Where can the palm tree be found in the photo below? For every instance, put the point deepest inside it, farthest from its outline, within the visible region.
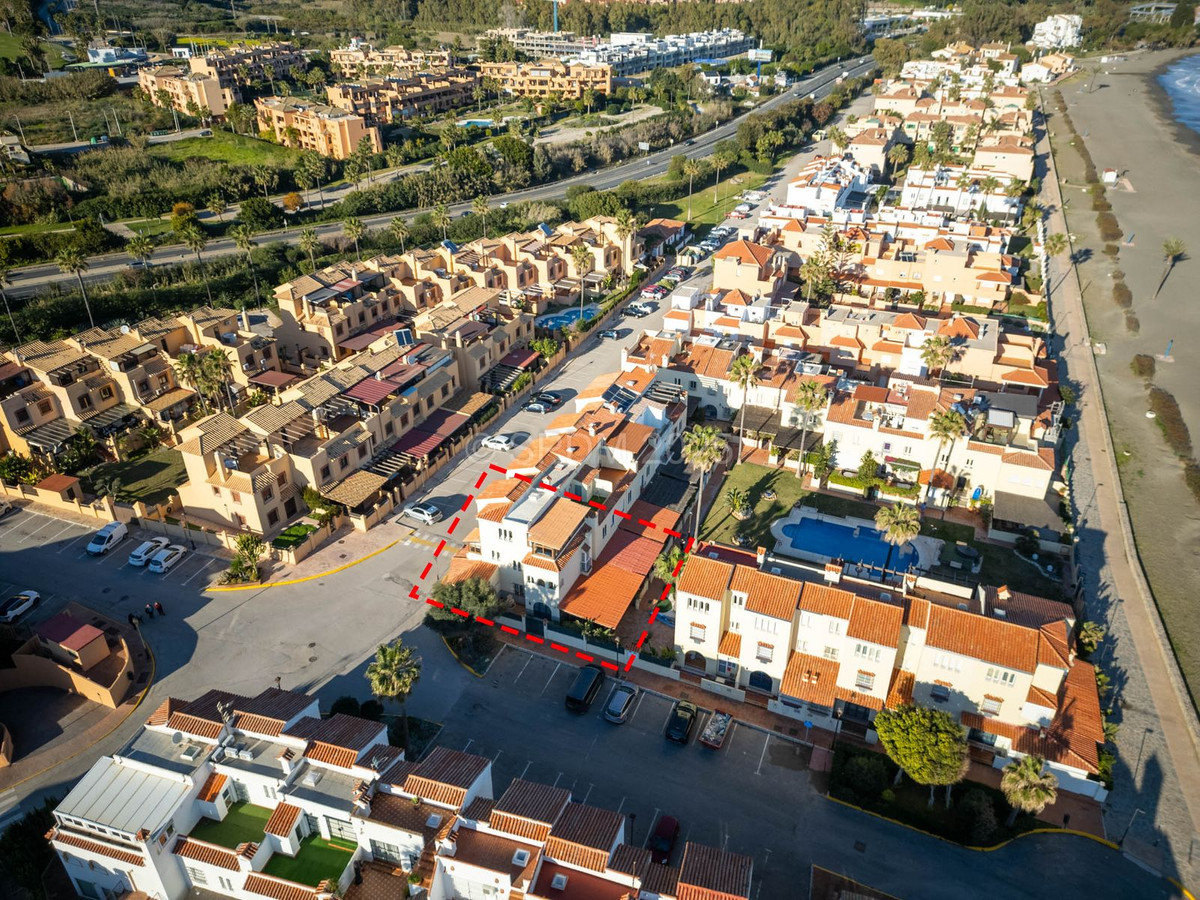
(1173, 251)
(71, 261)
(191, 372)
(743, 373)
(140, 248)
(936, 352)
(666, 563)
(309, 242)
(354, 229)
(243, 239)
(692, 168)
(400, 231)
(393, 674)
(441, 219)
(626, 228)
(1027, 788)
(897, 155)
(218, 371)
(1090, 636)
(5, 271)
(837, 137)
(195, 239)
(899, 525)
(721, 159)
(1055, 244)
(810, 398)
(739, 502)
(947, 427)
(480, 207)
(703, 448)
(581, 255)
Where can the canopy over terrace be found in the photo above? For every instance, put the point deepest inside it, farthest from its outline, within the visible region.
(277, 381)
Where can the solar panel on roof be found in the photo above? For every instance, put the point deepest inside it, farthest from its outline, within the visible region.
(619, 398)
(404, 337)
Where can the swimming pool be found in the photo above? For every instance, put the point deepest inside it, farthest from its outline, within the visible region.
(567, 317)
(477, 123)
(853, 543)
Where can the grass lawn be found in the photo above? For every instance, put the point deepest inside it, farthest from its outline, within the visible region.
(317, 860)
(37, 228)
(244, 822)
(704, 210)
(293, 536)
(150, 227)
(224, 146)
(720, 525)
(151, 478)
(10, 47)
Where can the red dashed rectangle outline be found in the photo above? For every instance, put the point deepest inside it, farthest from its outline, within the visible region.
(533, 638)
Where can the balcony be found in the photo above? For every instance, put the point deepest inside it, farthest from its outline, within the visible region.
(317, 860)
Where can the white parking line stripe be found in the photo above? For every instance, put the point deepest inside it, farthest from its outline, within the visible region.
(200, 571)
(470, 741)
(589, 793)
(526, 769)
(528, 660)
(667, 719)
(729, 736)
(68, 544)
(556, 778)
(550, 679)
(67, 527)
(763, 756)
(622, 805)
(49, 522)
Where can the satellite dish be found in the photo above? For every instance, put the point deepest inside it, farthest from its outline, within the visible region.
(124, 329)
(176, 737)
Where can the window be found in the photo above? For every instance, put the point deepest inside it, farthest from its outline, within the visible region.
(235, 496)
(273, 517)
(766, 652)
(862, 651)
(700, 605)
(22, 415)
(940, 693)
(386, 852)
(282, 479)
(344, 463)
(270, 792)
(696, 632)
(1000, 676)
(947, 662)
(324, 473)
(991, 706)
(865, 681)
(341, 828)
(831, 653)
(226, 883)
(106, 392)
(835, 626)
(806, 620)
(388, 428)
(196, 875)
(267, 493)
(216, 491)
(726, 668)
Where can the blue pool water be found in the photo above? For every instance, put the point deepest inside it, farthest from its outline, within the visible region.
(854, 544)
(567, 318)
(478, 123)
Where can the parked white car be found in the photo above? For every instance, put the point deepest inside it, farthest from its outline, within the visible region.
(17, 605)
(107, 538)
(5, 508)
(499, 442)
(166, 559)
(426, 513)
(146, 550)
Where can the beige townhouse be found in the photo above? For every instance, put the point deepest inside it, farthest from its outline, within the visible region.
(392, 100)
(549, 78)
(170, 86)
(363, 60)
(323, 129)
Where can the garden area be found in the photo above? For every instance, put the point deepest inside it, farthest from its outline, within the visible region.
(226, 147)
(151, 478)
(706, 210)
(317, 860)
(293, 536)
(243, 823)
(770, 493)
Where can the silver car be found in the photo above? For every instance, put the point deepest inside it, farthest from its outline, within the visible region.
(426, 513)
(620, 703)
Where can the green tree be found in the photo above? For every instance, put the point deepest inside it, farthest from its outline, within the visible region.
(900, 524)
(927, 745)
(1055, 244)
(309, 242)
(472, 595)
(25, 850)
(666, 563)
(140, 248)
(393, 674)
(692, 168)
(936, 352)
(196, 240)
(626, 228)
(744, 373)
(739, 502)
(581, 255)
(243, 239)
(1027, 787)
(191, 372)
(354, 229)
(897, 155)
(218, 373)
(721, 159)
(1172, 252)
(810, 399)
(946, 426)
(266, 178)
(703, 448)
(441, 219)
(400, 230)
(71, 261)
(1090, 636)
(544, 347)
(216, 204)
(480, 207)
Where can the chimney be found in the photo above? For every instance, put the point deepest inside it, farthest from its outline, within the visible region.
(285, 760)
(591, 429)
(1002, 592)
(761, 554)
(833, 571)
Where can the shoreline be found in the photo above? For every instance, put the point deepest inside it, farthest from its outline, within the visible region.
(1163, 108)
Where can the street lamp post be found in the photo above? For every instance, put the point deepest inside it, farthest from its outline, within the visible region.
(1137, 812)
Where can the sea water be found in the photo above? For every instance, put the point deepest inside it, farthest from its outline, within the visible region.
(1181, 81)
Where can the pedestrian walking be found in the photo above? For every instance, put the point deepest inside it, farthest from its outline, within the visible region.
(149, 611)
(158, 608)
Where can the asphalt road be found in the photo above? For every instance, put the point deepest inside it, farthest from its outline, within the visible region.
(30, 280)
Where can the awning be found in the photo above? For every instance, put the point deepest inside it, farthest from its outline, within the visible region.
(372, 390)
(418, 444)
(113, 418)
(898, 463)
(51, 436)
(519, 359)
(355, 488)
(271, 378)
(442, 422)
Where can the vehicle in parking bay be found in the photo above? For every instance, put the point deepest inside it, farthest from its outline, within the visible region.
(5, 508)
(107, 538)
(499, 442)
(610, 334)
(585, 688)
(679, 725)
(620, 703)
(662, 839)
(17, 605)
(426, 513)
(146, 550)
(549, 397)
(166, 559)
(537, 406)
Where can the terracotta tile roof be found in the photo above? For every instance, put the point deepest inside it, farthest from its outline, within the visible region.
(201, 716)
(989, 640)
(875, 622)
(940, 478)
(575, 446)
(887, 347)
(631, 437)
(731, 644)
(337, 740)
(495, 853)
(1054, 645)
(503, 489)
(557, 525)
(707, 873)
(61, 837)
(401, 813)
(1039, 697)
(461, 568)
(479, 809)
(661, 516)
(1025, 609)
(211, 854)
(852, 343)
(528, 809)
(826, 600)
(165, 710)
(493, 512)
(276, 888)
(916, 612)
(271, 710)
(766, 594)
(584, 836)
(1028, 460)
(445, 776)
(603, 596)
(661, 880)
(212, 787)
(630, 860)
(704, 577)
(959, 327)
(900, 691)
(812, 679)
(282, 820)
(745, 251)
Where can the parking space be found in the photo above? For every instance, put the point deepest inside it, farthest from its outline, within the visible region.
(727, 798)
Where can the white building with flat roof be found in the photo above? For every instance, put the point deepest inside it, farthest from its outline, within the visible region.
(1058, 32)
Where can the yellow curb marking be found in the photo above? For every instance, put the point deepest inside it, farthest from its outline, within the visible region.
(273, 584)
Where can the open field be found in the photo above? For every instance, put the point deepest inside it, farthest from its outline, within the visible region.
(704, 210)
(10, 48)
(225, 147)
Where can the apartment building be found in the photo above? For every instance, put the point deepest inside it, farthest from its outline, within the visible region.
(347, 431)
(959, 191)
(185, 91)
(326, 130)
(240, 65)
(394, 99)
(553, 549)
(360, 59)
(751, 270)
(834, 650)
(549, 78)
(628, 53)
(1006, 154)
(1058, 32)
(830, 183)
(1047, 68)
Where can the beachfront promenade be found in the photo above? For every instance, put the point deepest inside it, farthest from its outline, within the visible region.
(1155, 806)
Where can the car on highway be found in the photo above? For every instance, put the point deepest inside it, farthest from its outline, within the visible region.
(17, 605)
(662, 839)
(620, 703)
(107, 538)
(584, 689)
(166, 559)
(681, 721)
(146, 550)
(499, 442)
(426, 513)
(610, 334)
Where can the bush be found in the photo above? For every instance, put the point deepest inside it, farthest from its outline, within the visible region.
(865, 776)
(1142, 366)
(1191, 476)
(1132, 323)
(1170, 422)
(977, 813)
(371, 709)
(1112, 250)
(1122, 296)
(1109, 229)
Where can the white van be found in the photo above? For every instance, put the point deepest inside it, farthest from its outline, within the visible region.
(107, 538)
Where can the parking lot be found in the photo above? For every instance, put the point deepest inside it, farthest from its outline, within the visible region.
(745, 797)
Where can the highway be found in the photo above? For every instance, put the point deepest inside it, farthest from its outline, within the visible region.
(30, 280)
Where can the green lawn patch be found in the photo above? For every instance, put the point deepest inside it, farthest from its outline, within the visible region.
(150, 227)
(704, 210)
(10, 48)
(293, 536)
(720, 525)
(833, 505)
(317, 860)
(243, 823)
(37, 228)
(224, 146)
(152, 478)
